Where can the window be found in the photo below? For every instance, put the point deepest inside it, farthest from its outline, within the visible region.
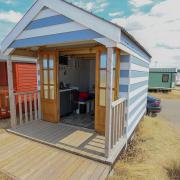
(165, 78)
(48, 77)
(103, 78)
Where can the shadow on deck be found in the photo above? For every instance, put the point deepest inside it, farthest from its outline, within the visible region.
(73, 139)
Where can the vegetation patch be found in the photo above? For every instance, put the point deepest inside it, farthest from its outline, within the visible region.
(154, 153)
(174, 94)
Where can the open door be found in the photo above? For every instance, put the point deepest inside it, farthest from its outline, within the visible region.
(101, 73)
(49, 85)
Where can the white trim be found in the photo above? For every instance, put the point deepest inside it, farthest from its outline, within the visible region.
(132, 129)
(135, 92)
(56, 29)
(4, 58)
(136, 67)
(8, 51)
(21, 25)
(106, 42)
(136, 113)
(132, 106)
(138, 80)
(46, 13)
(129, 51)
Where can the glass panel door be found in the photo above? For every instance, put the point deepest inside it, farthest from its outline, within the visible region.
(49, 86)
(48, 76)
(103, 78)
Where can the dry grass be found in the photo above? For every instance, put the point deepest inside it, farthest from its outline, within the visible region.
(4, 177)
(153, 154)
(174, 94)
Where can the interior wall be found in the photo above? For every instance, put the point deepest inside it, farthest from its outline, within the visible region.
(78, 73)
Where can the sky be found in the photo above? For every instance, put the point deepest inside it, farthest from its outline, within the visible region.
(154, 23)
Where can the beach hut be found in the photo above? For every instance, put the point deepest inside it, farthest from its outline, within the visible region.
(24, 80)
(162, 78)
(93, 77)
(178, 78)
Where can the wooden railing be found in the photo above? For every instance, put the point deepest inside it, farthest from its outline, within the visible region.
(27, 107)
(118, 126)
(4, 104)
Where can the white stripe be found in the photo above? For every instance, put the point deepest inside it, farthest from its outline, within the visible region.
(135, 92)
(137, 121)
(124, 95)
(124, 66)
(138, 80)
(124, 81)
(56, 29)
(136, 113)
(46, 13)
(136, 67)
(134, 105)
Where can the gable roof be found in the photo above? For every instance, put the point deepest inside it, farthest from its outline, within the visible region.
(106, 28)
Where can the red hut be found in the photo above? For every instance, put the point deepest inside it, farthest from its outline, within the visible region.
(24, 79)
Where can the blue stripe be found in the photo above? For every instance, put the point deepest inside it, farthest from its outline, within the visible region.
(123, 88)
(139, 62)
(135, 109)
(136, 118)
(49, 21)
(137, 96)
(139, 74)
(124, 73)
(56, 38)
(138, 85)
(125, 58)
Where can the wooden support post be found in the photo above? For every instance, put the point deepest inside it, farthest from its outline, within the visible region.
(38, 88)
(11, 93)
(108, 122)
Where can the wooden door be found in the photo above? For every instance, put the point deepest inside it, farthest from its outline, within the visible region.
(49, 85)
(101, 73)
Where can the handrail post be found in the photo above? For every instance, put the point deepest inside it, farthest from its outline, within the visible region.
(108, 121)
(11, 93)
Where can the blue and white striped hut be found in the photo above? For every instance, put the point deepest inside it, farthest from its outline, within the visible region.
(93, 77)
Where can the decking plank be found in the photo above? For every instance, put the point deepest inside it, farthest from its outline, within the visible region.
(66, 137)
(25, 159)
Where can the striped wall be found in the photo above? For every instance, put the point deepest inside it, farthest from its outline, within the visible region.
(133, 86)
(49, 27)
(138, 88)
(124, 76)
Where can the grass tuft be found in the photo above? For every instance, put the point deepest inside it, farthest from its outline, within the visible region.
(151, 153)
(174, 171)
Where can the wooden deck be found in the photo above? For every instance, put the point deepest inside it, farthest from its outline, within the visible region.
(22, 158)
(73, 139)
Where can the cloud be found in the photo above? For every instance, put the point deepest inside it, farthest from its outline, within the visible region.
(140, 3)
(158, 30)
(114, 14)
(95, 6)
(10, 16)
(5, 28)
